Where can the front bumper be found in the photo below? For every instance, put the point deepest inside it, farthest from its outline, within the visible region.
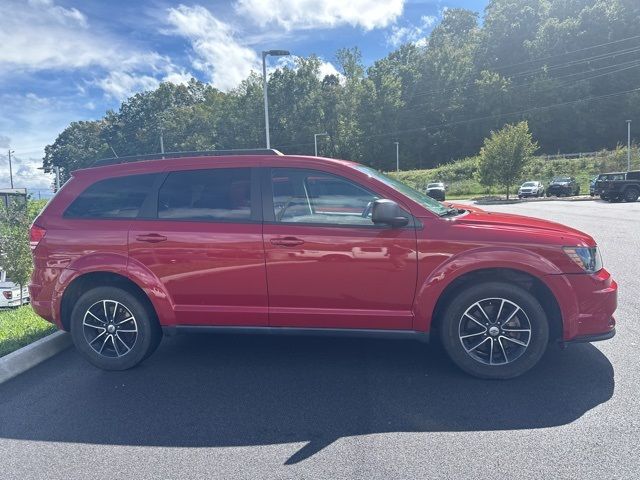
(594, 338)
(587, 303)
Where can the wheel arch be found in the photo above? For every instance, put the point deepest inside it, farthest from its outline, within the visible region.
(531, 283)
(86, 281)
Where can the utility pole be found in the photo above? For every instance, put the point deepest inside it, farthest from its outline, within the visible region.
(161, 142)
(628, 145)
(315, 140)
(57, 170)
(10, 167)
(397, 156)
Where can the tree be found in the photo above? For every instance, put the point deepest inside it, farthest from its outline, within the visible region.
(505, 154)
(15, 252)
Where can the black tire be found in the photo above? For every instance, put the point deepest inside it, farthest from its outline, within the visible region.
(603, 197)
(631, 194)
(117, 352)
(490, 294)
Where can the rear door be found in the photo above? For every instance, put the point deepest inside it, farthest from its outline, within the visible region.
(204, 242)
(328, 265)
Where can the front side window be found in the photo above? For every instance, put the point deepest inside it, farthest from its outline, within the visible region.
(426, 201)
(119, 197)
(307, 196)
(220, 194)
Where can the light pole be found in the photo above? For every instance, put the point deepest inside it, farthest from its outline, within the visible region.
(273, 53)
(10, 167)
(315, 140)
(397, 156)
(628, 145)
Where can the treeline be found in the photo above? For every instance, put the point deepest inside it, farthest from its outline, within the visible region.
(571, 68)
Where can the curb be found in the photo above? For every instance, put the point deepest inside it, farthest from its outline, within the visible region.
(31, 355)
(537, 200)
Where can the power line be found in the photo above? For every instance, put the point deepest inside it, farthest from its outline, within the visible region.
(625, 66)
(568, 53)
(543, 69)
(486, 117)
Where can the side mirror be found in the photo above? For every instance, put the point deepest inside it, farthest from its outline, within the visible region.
(388, 212)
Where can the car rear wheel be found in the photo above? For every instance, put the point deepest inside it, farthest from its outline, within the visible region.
(495, 330)
(631, 194)
(113, 329)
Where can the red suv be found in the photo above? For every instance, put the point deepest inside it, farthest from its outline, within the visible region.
(264, 242)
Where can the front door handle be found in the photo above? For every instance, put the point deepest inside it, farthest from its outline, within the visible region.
(151, 238)
(287, 241)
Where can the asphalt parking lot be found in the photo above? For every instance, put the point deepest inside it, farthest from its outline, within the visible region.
(263, 407)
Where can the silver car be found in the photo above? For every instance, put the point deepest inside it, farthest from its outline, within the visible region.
(531, 189)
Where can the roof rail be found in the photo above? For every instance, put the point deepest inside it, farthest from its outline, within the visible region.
(170, 155)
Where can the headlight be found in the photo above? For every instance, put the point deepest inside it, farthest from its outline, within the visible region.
(587, 258)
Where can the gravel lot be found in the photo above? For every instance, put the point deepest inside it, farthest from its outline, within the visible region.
(258, 407)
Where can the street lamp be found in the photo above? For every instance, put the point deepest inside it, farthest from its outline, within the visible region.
(11, 152)
(315, 140)
(628, 145)
(273, 53)
(397, 156)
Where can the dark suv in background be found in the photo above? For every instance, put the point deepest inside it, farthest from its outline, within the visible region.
(618, 186)
(563, 187)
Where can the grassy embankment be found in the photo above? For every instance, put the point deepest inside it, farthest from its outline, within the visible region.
(461, 176)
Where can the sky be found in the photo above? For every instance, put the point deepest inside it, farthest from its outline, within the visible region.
(62, 61)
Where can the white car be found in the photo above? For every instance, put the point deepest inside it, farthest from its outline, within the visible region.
(10, 292)
(531, 189)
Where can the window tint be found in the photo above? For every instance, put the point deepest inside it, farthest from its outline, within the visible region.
(222, 194)
(306, 196)
(119, 197)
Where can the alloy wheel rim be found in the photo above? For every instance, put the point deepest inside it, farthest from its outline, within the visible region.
(494, 331)
(110, 329)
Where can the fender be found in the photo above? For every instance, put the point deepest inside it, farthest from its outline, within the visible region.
(513, 258)
(119, 264)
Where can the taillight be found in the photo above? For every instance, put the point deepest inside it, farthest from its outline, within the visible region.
(36, 234)
(8, 294)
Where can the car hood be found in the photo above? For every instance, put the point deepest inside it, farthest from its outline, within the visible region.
(528, 225)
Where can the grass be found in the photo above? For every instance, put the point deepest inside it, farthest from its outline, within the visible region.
(461, 176)
(20, 327)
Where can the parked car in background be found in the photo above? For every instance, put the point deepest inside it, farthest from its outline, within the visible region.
(10, 292)
(616, 187)
(436, 190)
(600, 185)
(563, 187)
(531, 189)
(286, 244)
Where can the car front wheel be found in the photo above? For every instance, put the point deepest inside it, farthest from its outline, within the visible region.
(495, 330)
(113, 329)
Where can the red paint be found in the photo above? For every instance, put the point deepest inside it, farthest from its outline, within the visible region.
(285, 274)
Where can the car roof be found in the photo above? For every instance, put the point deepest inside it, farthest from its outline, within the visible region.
(161, 164)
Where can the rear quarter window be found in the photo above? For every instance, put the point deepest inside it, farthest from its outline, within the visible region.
(120, 197)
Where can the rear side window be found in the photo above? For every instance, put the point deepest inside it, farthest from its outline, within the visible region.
(220, 194)
(119, 197)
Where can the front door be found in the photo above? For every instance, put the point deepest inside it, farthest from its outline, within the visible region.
(205, 246)
(328, 265)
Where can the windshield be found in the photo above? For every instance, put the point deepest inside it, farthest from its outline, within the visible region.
(424, 200)
(561, 179)
(529, 184)
(434, 185)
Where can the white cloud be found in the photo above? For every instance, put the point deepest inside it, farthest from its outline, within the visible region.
(327, 68)
(313, 14)
(411, 33)
(52, 37)
(217, 51)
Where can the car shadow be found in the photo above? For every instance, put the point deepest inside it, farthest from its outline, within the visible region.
(207, 390)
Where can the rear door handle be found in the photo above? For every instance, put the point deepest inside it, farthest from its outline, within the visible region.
(151, 238)
(287, 241)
